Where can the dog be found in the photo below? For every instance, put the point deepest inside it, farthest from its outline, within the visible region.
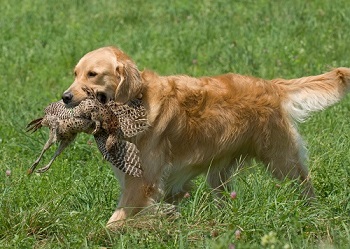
(205, 125)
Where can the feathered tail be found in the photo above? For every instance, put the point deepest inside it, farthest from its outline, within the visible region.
(314, 93)
(34, 125)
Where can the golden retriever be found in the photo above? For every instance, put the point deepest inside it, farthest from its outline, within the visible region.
(205, 125)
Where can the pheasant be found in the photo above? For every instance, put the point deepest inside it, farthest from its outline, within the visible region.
(110, 124)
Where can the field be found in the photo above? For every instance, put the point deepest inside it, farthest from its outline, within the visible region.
(68, 206)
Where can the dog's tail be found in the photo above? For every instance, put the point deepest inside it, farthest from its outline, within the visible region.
(314, 93)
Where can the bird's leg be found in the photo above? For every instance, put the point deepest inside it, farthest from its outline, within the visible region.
(94, 117)
(64, 143)
(52, 139)
(111, 141)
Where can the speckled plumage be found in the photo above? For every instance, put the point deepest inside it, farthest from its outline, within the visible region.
(109, 123)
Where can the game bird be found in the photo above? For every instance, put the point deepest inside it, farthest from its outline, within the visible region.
(110, 124)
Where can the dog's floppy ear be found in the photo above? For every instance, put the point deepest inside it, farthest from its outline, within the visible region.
(130, 83)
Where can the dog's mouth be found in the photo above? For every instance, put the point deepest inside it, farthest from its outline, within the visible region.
(73, 98)
(72, 104)
(102, 97)
(73, 101)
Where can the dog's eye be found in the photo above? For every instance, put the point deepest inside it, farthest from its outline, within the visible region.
(91, 74)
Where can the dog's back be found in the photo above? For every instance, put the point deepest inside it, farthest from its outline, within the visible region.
(212, 122)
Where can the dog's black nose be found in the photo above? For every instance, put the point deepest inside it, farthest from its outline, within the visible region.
(67, 97)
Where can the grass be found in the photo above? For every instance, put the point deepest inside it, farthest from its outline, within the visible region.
(68, 206)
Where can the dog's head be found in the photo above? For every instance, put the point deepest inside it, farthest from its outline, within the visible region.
(109, 72)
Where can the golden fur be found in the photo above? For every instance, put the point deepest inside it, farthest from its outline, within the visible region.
(207, 124)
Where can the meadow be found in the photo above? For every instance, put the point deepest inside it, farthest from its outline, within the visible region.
(68, 206)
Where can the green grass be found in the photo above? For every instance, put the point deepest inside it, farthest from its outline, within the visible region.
(68, 206)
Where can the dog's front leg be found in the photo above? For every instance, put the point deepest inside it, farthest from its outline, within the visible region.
(136, 195)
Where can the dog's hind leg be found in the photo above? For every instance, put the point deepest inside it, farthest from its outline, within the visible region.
(219, 174)
(284, 155)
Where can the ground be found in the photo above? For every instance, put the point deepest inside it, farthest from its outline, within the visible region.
(69, 205)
